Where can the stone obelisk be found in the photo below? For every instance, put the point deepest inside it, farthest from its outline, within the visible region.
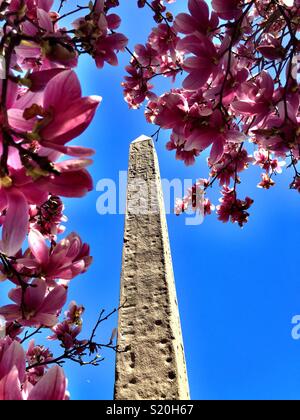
(151, 364)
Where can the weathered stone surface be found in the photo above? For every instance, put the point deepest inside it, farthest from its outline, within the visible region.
(153, 365)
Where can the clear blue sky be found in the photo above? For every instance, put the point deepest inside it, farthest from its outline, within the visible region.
(238, 289)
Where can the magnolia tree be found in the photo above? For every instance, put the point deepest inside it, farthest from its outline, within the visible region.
(235, 63)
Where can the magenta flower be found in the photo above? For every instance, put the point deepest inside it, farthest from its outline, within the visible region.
(217, 133)
(67, 334)
(19, 191)
(136, 86)
(177, 142)
(271, 48)
(280, 133)
(168, 111)
(64, 261)
(61, 114)
(37, 306)
(198, 20)
(202, 65)
(36, 355)
(14, 381)
(54, 118)
(232, 208)
(106, 48)
(256, 98)
(234, 161)
(11, 355)
(99, 28)
(51, 387)
(264, 159)
(12, 369)
(16, 221)
(227, 9)
(72, 180)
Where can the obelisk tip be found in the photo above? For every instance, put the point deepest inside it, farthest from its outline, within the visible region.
(141, 139)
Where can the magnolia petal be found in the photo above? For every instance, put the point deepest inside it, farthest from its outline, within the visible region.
(10, 312)
(62, 90)
(196, 79)
(18, 122)
(234, 136)
(76, 151)
(199, 10)
(44, 20)
(70, 184)
(10, 387)
(55, 300)
(185, 23)
(71, 122)
(217, 151)
(38, 246)
(51, 387)
(34, 295)
(13, 357)
(15, 226)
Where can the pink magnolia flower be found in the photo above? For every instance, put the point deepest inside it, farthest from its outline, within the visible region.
(256, 98)
(202, 65)
(177, 142)
(271, 47)
(64, 261)
(164, 41)
(280, 133)
(37, 22)
(60, 114)
(147, 55)
(102, 44)
(15, 225)
(54, 118)
(266, 182)
(71, 180)
(198, 20)
(227, 9)
(168, 111)
(68, 330)
(216, 133)
(136, 85)
(47, 218)
(67, 334)
(11, 354)
(37, 306)
(20, 190)
(37, 355)
(232, 162)
(14, 383)
(106, 48)
(232, 208)
(229, 86)
(51, 387)
(264, 159)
